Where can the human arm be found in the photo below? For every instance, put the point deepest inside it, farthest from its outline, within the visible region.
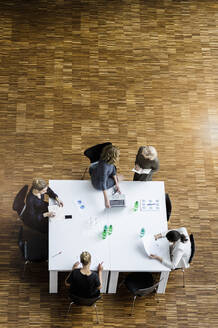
(69, 276)
(35, 208)
(153, 256)
(173, 263)
(106, 200)
(116, 183)
(59, 202)
(159, 235)
(100, 269)
(52, 194)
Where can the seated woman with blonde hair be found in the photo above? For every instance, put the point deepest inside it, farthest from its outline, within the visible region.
(84, 282)
(103, 173)
(146, 158)
(36, 213)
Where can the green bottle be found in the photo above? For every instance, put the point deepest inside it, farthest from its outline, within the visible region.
(136, 206)
(110, 229)
(104, 233)
(142, 232)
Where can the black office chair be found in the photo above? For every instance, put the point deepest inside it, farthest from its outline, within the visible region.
(168, 206)
(33, 246)
(84, 302)
(93, 153)
(191, 237)
(140, 284)
(19, 201)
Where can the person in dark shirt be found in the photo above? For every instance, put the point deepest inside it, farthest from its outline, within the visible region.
(103, 173)
(84, 282)
(146, 158)
(36, 213)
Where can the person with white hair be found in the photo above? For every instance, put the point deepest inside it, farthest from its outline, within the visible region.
(146, 158)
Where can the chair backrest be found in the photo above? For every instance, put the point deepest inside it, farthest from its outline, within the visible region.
(192, 247)
(146, 291)
(94, 152)
(21, 241)
(33, 245)
(83, 300)
(168, 206)
(19, 204)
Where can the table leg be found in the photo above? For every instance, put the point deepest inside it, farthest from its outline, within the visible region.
(163, 282)
(104, 281)
(53, 281)
(114, 275)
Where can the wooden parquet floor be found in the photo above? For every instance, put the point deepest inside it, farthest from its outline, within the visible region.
(74, 73)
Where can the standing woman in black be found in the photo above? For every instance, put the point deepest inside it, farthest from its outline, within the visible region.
(146, 158)
(36, 213)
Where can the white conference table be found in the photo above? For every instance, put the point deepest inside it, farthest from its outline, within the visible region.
(123, 250)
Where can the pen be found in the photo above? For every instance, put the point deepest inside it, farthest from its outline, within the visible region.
(57, 254)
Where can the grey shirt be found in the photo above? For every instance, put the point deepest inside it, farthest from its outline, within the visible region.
(102, 175)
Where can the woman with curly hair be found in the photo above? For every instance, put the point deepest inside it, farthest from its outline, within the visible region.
(103, 173)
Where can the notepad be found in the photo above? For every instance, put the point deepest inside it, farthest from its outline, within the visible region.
(141, 171)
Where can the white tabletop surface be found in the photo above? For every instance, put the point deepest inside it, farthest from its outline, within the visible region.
(123, 250)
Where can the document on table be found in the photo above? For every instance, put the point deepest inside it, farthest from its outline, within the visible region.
(151, 245)
(141, 171)
(59, 211)
(149, 205)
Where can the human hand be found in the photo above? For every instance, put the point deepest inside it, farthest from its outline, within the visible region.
(100, 267)
(107, 203)
(157, 236)
(137, 167)
(49, 214)
(59, 202)
(118, 189)
(152, 256)
(76, 264)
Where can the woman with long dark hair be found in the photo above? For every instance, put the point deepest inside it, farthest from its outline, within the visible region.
(180, 249)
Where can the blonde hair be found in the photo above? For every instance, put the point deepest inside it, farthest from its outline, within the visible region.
(110, 154)
(85, 258)
(39, 184)
(149, 152)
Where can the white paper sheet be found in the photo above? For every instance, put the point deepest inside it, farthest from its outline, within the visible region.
(151, 245)
(59, 211)
(141, 171)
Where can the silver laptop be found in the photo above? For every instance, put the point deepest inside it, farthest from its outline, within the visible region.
(117, 200)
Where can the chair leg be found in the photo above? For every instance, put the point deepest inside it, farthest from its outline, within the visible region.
(133, 304)
(96, 312)
(69, 307)
(84, 173)
(183, 277)
(121, 283)
(24, 268)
